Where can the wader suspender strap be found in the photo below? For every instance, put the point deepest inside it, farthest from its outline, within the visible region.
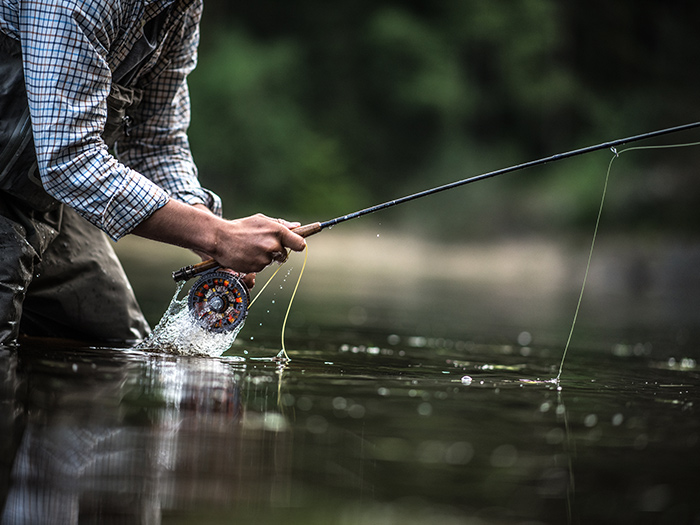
(17, 155)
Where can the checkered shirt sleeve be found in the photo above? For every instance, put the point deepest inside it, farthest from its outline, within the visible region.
(69, 49)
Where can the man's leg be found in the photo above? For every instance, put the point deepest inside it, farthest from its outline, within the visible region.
(81, 291)
(17, 258)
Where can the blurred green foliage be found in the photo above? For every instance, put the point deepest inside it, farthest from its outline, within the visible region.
(311, 110)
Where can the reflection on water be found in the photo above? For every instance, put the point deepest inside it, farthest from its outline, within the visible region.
(103, 435)
(406, 429)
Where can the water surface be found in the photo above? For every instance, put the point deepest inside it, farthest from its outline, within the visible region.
(411, 430)
(411, 397)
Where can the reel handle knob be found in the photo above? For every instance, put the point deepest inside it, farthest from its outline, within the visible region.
(187, 272)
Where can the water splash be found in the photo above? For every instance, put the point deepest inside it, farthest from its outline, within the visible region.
(178, 333)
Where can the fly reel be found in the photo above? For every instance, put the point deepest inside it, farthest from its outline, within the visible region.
(219, 301)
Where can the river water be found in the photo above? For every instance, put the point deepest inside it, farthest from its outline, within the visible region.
(409, 399)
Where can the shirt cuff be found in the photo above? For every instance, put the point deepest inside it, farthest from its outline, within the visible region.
(201, 196)
(133, 202)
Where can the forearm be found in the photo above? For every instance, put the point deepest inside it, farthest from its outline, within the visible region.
(245, 245)
(179, 224)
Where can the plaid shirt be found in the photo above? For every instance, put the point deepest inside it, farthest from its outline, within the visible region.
(70, 49)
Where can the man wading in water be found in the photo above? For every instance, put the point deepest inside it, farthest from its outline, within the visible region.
(94, 110)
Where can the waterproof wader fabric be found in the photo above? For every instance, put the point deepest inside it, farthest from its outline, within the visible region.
(59, 276)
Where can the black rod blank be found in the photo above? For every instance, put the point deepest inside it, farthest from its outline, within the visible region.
(539, 162)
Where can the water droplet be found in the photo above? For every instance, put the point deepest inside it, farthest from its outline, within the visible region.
(356, 411)
(590, 420)
(466, 380)
(524, 338)
(425, 409)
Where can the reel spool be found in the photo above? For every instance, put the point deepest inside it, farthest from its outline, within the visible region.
(219, 301)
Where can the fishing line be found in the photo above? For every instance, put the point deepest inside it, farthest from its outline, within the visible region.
(588, 263)
(283, 352)
(291, 300)
(264, 286)
(595, 234)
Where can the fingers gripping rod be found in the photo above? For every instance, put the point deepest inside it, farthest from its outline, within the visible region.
(193, 270)
(309, 229)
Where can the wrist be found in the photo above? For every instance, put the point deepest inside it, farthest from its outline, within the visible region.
(204, 233)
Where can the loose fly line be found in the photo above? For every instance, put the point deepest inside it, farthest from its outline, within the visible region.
(616, 154)
(264, 286)
(291, 299)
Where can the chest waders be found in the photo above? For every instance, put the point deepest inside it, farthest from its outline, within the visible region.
(59, 276)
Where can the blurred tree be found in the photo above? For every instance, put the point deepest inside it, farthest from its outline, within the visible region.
(311, 109)
(253, 141)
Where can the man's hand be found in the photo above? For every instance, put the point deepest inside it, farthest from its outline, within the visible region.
(245, 245)
(252, 243)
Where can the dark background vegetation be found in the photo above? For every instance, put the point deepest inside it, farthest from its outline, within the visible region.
(311, 110)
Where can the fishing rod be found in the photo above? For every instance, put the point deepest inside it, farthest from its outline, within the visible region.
(306, 230)
(219, 300)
